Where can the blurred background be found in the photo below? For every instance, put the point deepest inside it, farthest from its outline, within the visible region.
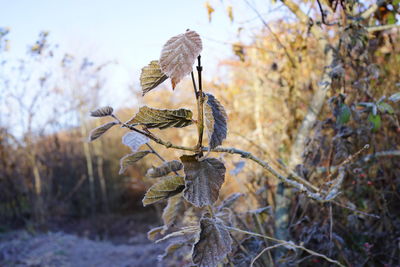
(61, 59)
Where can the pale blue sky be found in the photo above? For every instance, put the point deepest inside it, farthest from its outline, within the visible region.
(129, 31)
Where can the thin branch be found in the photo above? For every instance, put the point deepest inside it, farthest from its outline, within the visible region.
(286, 243)
(290, 57)
(263, 251)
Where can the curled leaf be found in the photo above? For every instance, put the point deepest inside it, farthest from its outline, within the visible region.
(162, 118)
(129, 159)
(155, 233)
(102, 112)
(216, 121)
(179, 54)
(163, 189)
(203, 180)
(151, 76)
(172, 211)
(99, 131)
(214, 244)
(134, 140)
(164, 169)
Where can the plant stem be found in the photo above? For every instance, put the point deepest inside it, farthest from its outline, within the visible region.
(200, 101)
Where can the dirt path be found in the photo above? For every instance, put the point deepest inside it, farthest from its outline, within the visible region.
(60, 249)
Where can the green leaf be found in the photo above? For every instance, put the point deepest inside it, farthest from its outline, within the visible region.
(162, 118)
(391, 18)
(214, 244)
(395, 97)
(163, 189)
(102, 112)
(375, 120)
(385, 108)
(174, 208)
(164, 169)
(215, 120)
(179, 54)
(130, 159)
(344, 114)
(151, 76)
(203, 180)
(99, 131)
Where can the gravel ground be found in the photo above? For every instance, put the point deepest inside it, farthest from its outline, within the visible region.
(60, 249)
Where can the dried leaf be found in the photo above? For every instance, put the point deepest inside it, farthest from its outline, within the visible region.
(155, 233)
(129, 159)
(163, 189)
(216, 121)
(229, 10)
(151, 76)
(102, 112)
(99, 131)
(172, 211)
(134, 140)
(164, 169)
(203, 180)
(210, 10)
(179, 54)
(162, 118)
(184, 234)
(214, 244)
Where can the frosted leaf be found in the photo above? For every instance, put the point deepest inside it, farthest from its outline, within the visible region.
(102, 112)
(99, 131)
(215, 120)
(134, 140)
(172, 211)
(164, 169)
(214, 244)
(151, 76)
(179, 54)
(163, 189)
(130, 159)
(203, 180)
(162, 118)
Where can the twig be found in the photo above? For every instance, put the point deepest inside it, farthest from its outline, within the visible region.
(290, 57)
(389, 153)
(263, 251)
(286, 243)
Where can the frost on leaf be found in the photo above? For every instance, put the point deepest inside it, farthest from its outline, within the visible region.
(214, 244)
(181, 240)
(164, 169)
(99, 131)
(163, 189)
(203, 180)
(151, 76)
(130, 159)
(134, 140)
(102, 112)
(179, 54)
(174, 208)
(229, 201)
(162, 118)
(216, 121)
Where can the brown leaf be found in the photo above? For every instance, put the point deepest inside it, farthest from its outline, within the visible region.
(216, 121)
(130, 159)
(203, 180)
(173, 209)
(151, 76)
(214, 244)
(102, 112)
(179, 54)
(99, 131)
(162, 118)
(155, 233)
(164, 169)
(163, 189)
